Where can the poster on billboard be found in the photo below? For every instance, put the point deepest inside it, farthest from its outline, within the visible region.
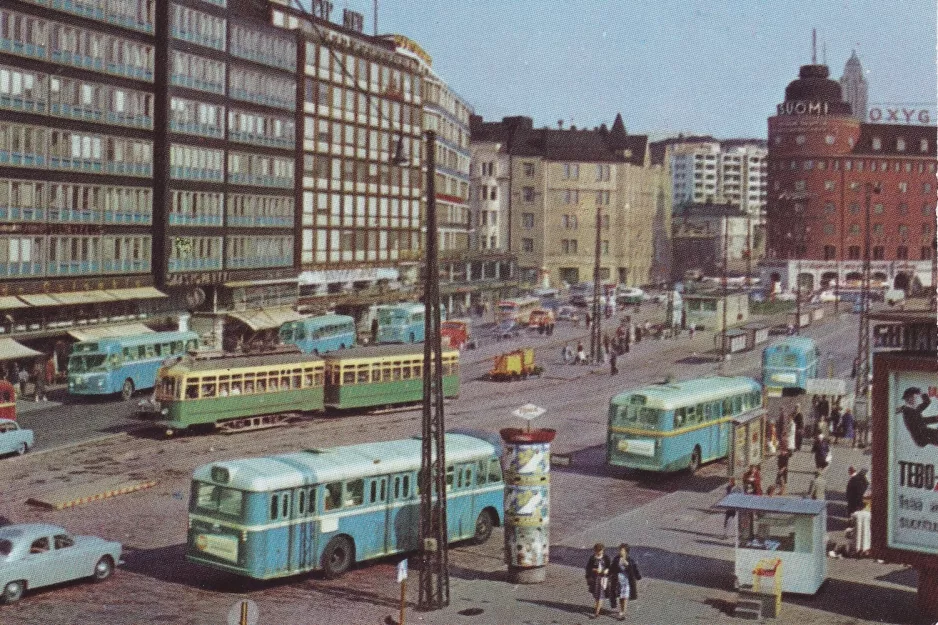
(912, 490)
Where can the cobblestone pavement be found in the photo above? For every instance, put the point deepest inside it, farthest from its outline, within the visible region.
(668, 519)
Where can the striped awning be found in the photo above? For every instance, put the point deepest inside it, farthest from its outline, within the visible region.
(8, 302)
(74, 298)
(91, 334)
(266, 318)
(11, 350)
(143, 292)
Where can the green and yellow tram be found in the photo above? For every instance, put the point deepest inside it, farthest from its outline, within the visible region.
(238, 392)
(383, 375)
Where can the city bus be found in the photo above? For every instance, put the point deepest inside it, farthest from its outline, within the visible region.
(789, 363)
(403, 323)
(680, 425)
(124, 364)
(517, 309)
(326, 509)
(319, 335)
(236, 392)
(383, 375)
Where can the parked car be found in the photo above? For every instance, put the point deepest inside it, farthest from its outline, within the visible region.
(13, 438)
(33, 555)
(507, 329)
(567, 313)
(456, 332)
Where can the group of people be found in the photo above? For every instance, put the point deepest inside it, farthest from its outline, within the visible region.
(39, 374)
(615, 579)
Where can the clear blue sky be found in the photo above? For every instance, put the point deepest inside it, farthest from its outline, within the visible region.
(709, 66)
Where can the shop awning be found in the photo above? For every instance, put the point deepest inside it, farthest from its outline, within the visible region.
(266, 318)
(40, 299)
(91, 334)
(73, 298)
(8, 302)
(143, 292)
(11, 350)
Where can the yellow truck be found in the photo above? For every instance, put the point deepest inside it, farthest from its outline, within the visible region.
(514, 365)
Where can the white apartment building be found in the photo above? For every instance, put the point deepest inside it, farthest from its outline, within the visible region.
(488, 200)
(732, 171)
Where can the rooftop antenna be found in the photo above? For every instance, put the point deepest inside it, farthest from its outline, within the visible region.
(824, 53)
(814, 46)
(376, 18)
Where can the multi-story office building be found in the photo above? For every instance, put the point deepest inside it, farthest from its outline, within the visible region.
(226, 159)
(825, 165)
(558, 182)
(77, 206)
(359, 217)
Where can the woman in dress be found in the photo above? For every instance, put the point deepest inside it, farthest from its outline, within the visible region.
(597, 572)
(624, 578)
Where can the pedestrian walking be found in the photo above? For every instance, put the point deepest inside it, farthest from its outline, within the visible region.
(822, 452)
(638, 334)
(623, 578)
(39, 383)
(856, 489)
(580, 354)
(836, 425)
(731, 487)
(798, 419)
(781, 476)
(824, 407)
(848, 427)
(597, 576)
(566, 354)
(818, 487)
(627, 341)
(23, 377)
(613, 369)
(791, 436)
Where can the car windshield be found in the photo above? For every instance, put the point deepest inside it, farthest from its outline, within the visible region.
(6, 547)
(212, 498)
(84, 364)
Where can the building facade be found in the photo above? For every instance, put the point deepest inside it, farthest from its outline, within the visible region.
(855, 87)
(825, 166)
(559, 182)
(706, 234)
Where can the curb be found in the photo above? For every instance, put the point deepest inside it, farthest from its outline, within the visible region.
(51, 502)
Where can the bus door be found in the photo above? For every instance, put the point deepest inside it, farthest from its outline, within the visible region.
(371, 540)
(304, 532)
(403, 517)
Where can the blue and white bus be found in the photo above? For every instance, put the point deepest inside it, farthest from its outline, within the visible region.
(680, 425)
(124, 364)
(403, 323)
(326, 509)
(319, 335)
(789, 363)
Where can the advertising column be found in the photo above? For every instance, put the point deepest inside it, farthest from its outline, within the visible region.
(527, 503)
(905, 455)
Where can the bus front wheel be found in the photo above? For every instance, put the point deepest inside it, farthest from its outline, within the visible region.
(338, 557)
(128, 389)
(483, 528)
(694, 460)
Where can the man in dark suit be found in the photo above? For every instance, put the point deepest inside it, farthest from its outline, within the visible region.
(915, 423)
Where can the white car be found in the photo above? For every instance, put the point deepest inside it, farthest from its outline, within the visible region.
(13, 438)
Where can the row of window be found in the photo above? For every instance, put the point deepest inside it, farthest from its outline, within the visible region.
(202, 208)
(36, 92)
(901, 145)
(255, 383)
(857, 165)
(329, 63)
(338, 102)
(338, 173)
(877, 252)
(194, 163)
(334, 246)
(383, 371)
(71, 45)
(243, 252)
(334, 209)
(878, 230)
(261, 129)
(260, 170)
(135, 14)
(263, 47)
(330, 137)
(54, 255)
(58, 202)
(262, 88)
(198, 27)
(447, 130)
(37, 147)
(197, 72)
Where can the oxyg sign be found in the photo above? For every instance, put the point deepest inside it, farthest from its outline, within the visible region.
(898, 114)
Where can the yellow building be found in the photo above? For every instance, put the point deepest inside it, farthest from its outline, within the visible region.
(560, 181)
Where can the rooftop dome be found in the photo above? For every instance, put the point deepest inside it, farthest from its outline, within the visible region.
(813, 84)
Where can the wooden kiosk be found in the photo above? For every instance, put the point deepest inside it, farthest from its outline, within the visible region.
(788, 529)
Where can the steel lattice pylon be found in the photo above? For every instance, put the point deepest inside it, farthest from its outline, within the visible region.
(863, 343)
(434, 564)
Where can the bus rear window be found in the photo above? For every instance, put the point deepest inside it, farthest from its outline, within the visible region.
(212, 498)
(637, 416)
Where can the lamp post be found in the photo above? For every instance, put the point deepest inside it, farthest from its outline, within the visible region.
(595, 332)
(863, 344)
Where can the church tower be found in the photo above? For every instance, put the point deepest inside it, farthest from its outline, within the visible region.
(855, 87)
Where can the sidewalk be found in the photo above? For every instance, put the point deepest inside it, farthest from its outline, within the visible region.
(687, 566)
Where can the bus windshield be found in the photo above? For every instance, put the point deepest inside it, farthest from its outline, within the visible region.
(85, 364)
(212, 498)
(637, 416)
(391, 316)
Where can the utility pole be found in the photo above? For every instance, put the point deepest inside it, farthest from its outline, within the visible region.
(934, 275)
(863, 344)
(595, 332)
(723, 285)
(434, 570)
(748, 251)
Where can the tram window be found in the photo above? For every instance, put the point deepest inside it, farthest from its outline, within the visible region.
(286, 506)
(449, 478)
(192, 390)
(727, 407)
(208, 390)
(405, 372)
(737, 404)
(354, 493)
(480, 473)
(261, 385)
(274, 385)
(374, 492)
(223, 390)
(318, 379)
(348, 377)
(418, 371)
(248, 387)
(301, 502)
(307, 380)
(396, 372)
(311, 506)
(406, 492)
(363, 375)
(495, 471)
(384, 489)
(235, 388)
(333, 496)
(397, 487)
(468, 473)
(274, 506)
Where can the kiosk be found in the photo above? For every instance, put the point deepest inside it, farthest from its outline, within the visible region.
(789, 529)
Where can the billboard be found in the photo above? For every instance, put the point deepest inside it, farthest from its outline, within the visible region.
(912, 452)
